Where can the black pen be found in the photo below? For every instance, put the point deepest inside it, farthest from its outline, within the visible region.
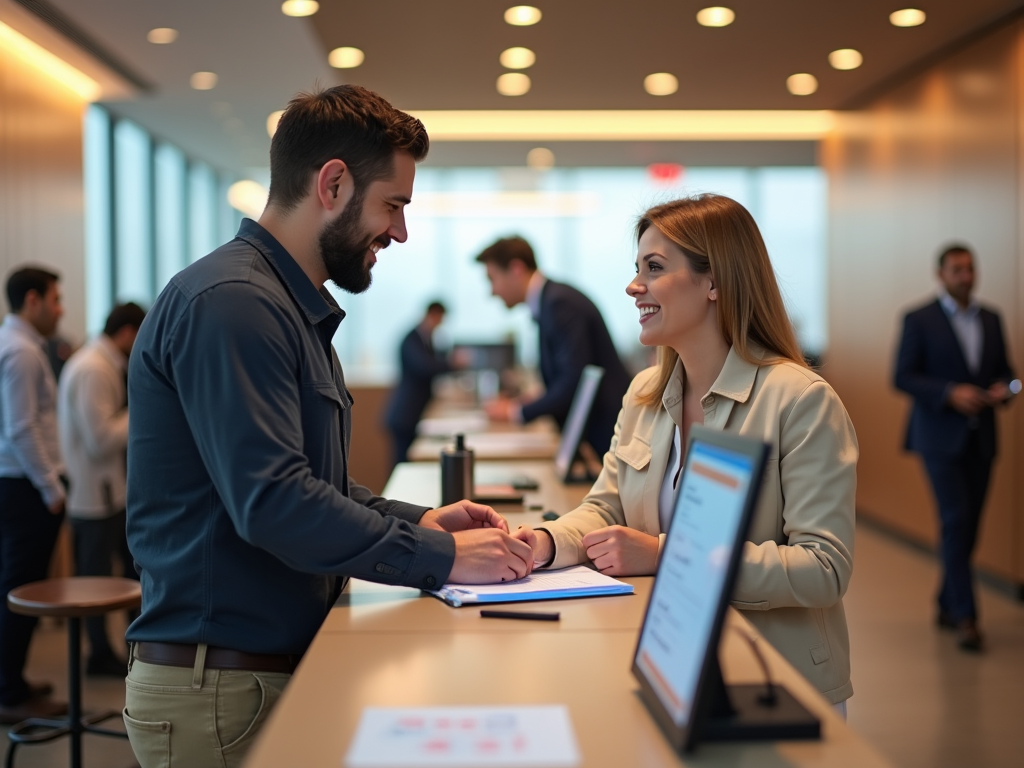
(519, 615)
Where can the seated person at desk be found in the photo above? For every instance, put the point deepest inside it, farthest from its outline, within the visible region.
(572, 336)
(419, 364)
(728, 358)
(242, 518)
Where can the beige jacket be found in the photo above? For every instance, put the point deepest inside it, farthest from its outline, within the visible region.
(797, 564)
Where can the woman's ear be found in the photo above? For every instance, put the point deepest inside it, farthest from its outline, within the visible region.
(712, 291)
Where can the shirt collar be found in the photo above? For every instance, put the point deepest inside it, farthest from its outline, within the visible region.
(735, 381)
(317, 303)
(533, 292)
(951, 307)
(25, 328)
(110, 351)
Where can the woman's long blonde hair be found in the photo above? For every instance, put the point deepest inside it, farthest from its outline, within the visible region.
(718, 235)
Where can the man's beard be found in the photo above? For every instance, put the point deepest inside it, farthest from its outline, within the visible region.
(344, 250)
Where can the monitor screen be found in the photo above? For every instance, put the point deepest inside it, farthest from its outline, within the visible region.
(701, 554)
(576, 421)
(494, 357)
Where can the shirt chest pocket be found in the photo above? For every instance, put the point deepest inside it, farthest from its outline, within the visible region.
(324, 410)
(636, 456)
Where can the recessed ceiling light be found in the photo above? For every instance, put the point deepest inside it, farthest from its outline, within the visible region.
(540, 158)
(845, 58)
(661, 84)
(203, 81)
(716, 16)
(908, 17)
(802, 84)
(513, 84)
(517, 58)
(522, 15)
(162, 35)
(345, 58)
(299, 7)
(272, 121)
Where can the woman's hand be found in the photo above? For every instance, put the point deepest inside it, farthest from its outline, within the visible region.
(540, 542)
(462, 516)
(621, 551)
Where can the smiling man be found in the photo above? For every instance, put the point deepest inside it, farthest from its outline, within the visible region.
(242, 518)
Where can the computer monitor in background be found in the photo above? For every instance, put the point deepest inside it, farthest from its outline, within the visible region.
(487, 357)
(575, 423)
(676, 659)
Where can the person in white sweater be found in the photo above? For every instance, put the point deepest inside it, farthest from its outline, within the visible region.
(92, 414)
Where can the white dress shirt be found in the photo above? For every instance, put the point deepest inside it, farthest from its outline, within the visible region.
(94, 428)
(28, 410)
(966, 322)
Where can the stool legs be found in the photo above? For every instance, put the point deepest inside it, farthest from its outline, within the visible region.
(38, 731)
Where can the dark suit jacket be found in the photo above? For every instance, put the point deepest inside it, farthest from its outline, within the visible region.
(572, 336)
(419, 365)
(930, 360)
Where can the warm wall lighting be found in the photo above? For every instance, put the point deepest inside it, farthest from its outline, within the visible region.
(248, 196)
(522, 16)
(845, 58)
(802, 84)
(661, 84)
(203, 81)
(541, 126)
(40, 58)
(272, 121)
(299, 7)
(540, 158)
(513, 84)
(716, 16)
(346, 58)
(517, 58)
(908, 17)
(162, 35)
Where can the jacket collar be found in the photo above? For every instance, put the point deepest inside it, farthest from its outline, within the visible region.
(316, 303)
(735, 381)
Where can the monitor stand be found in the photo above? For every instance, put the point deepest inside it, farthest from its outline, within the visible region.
(743, 713)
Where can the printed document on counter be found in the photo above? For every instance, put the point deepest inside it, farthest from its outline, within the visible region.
(577, 581)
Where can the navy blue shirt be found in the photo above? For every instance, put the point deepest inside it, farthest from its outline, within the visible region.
(241, 514)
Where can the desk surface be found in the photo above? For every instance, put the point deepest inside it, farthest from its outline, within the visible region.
(499, 441)
(394, 647)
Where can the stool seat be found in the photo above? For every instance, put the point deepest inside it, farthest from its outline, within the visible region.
(77, 596)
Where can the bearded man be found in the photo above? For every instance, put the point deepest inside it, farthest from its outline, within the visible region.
(242, 519)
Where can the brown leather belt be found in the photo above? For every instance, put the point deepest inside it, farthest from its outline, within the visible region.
(181, 655)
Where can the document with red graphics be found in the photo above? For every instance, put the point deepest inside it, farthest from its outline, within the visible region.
(460, 737)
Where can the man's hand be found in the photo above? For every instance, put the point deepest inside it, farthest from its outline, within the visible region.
(57, 507)
(539, 541)
(500, 409)
(486, 556)
(968, 399)
(462, 516)
(999, 393)
(621, 551)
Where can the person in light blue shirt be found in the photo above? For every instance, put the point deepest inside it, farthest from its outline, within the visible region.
(31, 490)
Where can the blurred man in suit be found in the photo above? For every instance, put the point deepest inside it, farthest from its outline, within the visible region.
(420, 363)
(952, 361)
(572, 336)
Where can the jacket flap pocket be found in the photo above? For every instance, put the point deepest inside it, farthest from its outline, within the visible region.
(636, 453)
(819, 654)
(330, 391)
(739, 605)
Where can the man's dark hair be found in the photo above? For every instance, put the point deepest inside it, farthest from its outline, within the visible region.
(130, 314)
(436, 306)
(503, 252)
(26, 279)
(951, 249)
(347, 123)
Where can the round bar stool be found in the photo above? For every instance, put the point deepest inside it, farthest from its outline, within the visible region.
(73, 599)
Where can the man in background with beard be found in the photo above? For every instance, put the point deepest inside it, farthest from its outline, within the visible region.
(242, 519)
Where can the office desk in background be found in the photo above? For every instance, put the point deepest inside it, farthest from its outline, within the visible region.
(397, 647)
(497, 441)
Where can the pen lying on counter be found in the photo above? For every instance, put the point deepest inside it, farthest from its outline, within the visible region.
(519, 615)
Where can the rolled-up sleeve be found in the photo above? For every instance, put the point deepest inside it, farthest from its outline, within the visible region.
(818, 474)
(238, 381)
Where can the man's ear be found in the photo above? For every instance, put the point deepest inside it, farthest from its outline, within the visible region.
(334, 185)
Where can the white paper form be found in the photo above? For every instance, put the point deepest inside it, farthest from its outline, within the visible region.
(577, 581)
(484, 737)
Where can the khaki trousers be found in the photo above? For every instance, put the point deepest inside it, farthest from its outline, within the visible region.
(196, 718)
